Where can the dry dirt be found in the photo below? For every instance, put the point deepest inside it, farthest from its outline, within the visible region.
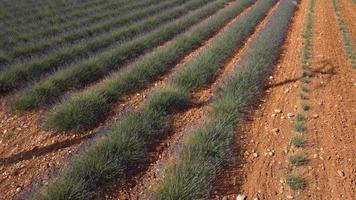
(260, 165)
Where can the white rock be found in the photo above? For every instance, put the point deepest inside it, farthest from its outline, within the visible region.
(290, 115)
(241, 197)
(255, 155)
(341, 173)
(277, 111)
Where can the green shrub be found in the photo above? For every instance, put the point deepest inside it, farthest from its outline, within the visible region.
(298, 141)
(64, 117)
(300, 127)
(295, 182)
(297, 160)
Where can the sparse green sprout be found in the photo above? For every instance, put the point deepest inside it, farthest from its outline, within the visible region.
(306, 79)
(305, 89)
(305, 106)
(304, 96)
(298, 141)
(306, 72)
(298, 160)
(296, 182)
(300, 117)
(8, 135)
(305, 65)
(299, 127)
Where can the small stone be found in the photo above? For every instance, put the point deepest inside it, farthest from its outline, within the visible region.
(341, 173)
(289, 197)
(256, 198)
(283, 117)
(277, 111)
(315, 116)
(255, 155)
(18, 189)
(270, 153)
(273, 115)
(290, 115)
(315, 156)
(271, 77)
(241, 197)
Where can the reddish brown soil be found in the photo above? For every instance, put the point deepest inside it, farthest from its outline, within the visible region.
(348, 11)
(182, 124)
(333, 98)
(259, 167)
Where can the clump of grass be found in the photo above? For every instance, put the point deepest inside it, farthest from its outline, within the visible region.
(306, 73)
(298, 141)
(305, 88)
(305, 106)
(8, 135)
(304, 96)
(296, 182)
(299, 127)
(71, 114)
(306, 79)
(300, 117)
(298, 160)
(3, 58)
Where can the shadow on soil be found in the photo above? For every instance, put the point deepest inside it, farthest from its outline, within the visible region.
(40, 151)
(326, 68)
